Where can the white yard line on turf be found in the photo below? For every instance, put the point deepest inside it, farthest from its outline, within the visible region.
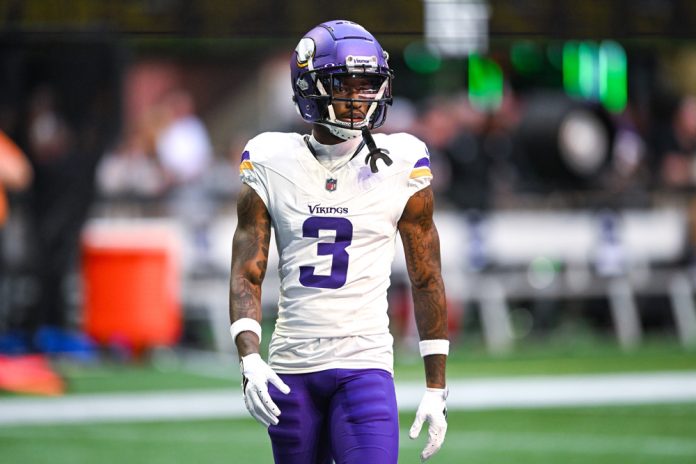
(518, 392)
(500, 441)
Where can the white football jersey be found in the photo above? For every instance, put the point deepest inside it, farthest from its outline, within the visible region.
(335, 232)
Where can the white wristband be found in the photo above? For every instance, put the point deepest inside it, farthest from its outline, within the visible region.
(428, 347)
(244, 324)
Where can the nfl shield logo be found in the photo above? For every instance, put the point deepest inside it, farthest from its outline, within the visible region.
(331, 185)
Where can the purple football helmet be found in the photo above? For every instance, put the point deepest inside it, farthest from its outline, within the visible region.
(326, 55)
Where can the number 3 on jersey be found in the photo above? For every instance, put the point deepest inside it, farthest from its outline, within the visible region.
(336, 249)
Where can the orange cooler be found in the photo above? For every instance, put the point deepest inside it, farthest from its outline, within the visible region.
(132, 283)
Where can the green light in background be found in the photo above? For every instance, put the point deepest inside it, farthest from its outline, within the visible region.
(596, 72)
(613, 83)
(485, 83)
(571, 68)
(588, 58)
(580, 69)
(420, 59)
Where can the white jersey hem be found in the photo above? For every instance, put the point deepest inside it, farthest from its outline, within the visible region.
(346, 364)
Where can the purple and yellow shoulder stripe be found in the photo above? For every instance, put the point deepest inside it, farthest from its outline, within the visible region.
(245, 163)
(421, 168)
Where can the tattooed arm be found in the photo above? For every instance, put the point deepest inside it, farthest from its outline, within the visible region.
(422, 250)
(249, 260)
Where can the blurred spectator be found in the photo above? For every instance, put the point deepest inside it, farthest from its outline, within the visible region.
(130, 170)
(60, 101)
(61, 196)
(676, 147)
(185, 154)
(628, 178)
(183, 145)
(15, 174)
(674, 151)
(167, 156)
(629, 148)
(437, 126)
(476, 146)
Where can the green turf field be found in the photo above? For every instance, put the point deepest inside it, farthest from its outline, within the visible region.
(612, 434)
(592, 356)
(641, 434)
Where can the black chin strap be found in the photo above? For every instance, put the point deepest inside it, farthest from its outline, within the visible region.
(375, 153)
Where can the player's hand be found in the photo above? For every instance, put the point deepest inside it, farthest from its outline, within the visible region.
(432, 409)
(255, 377)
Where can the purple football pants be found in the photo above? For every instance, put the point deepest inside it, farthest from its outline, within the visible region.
(348, 415)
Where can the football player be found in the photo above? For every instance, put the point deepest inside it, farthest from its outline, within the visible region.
(336, 199)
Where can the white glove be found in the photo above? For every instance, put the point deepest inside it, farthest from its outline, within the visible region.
(432, 409)
(255, 377)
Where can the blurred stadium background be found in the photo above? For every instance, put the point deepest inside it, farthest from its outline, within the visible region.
(563, 143)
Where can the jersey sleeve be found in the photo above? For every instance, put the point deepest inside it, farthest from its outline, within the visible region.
(252, 173)
(420, 175)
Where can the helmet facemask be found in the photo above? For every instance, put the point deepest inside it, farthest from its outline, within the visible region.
(349, 101)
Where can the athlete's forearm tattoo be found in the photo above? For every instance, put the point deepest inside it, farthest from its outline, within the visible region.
(249, 256)
(422, 251)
